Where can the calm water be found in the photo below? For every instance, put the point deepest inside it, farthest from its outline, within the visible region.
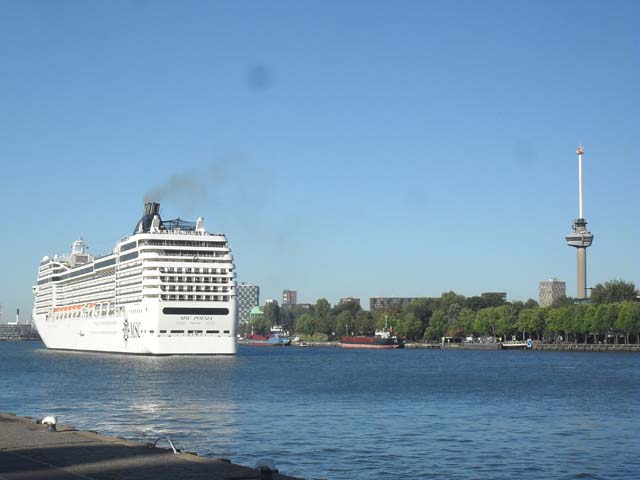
(340, 414)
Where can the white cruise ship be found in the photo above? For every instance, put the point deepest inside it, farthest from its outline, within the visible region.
(167, 289)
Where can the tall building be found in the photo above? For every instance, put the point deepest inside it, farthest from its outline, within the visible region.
(580, 237)
(382, 303)
(248, 297)
(289, 297)
(349, 300)
(551, 291)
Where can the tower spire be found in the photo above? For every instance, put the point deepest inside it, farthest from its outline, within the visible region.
(580, 237)
(579, 152)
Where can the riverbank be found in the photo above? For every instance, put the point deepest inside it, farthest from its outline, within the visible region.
(18, 332)
(28, 450)
(581, 347)
(548, 347)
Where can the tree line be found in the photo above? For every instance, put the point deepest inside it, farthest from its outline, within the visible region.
(613, 315)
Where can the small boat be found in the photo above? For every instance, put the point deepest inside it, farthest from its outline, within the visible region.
(377, 341)
(383, 339)
(268, 340)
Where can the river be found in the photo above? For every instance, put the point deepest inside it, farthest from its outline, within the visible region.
(353, 414)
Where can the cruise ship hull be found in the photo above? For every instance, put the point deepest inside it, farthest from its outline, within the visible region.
(142, 331)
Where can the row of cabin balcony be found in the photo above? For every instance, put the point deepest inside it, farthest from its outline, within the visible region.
(129, 273)
(95, 298)
(182, 243)
(87, 293)
(192, 270)
(172, 288)
(198, 260)
(185, 248)
(71, 292)
(152, 273)
(130, 299)
(83, 286)
(120, 292)
(195, 279)
(82, 282)
(67, 301)
(148, 254)
(155, 281)
(92, 291)
(195, 298)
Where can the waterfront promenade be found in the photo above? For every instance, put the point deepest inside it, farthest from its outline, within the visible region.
(28, 451)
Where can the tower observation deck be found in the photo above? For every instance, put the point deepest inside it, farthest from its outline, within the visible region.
(580, 237)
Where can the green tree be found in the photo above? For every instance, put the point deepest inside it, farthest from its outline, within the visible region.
(452, 317)
(613, 291)
(493, 299)
(344, 321)
(537, 322)
(306, 324)
(628, 320)
(526, 321)
(612, 316)
(589, 321)
(272, 313)
(421, 308)
(287, 319)
(563, 301)
(505, 320)
(580, 322)
(364, 323)
(350, 306)
(260, 325)
(323, 307)
(437, 325)
(600, 322)
(466, 319)
(485, 321)
(553, 322)
(410, 327)
(450, 298)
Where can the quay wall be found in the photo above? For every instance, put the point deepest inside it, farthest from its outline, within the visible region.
(30, 450)
(580, 347)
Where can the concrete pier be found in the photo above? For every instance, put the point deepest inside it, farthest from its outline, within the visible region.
(28, 451)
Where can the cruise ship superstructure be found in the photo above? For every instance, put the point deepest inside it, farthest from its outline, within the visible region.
(169, 288)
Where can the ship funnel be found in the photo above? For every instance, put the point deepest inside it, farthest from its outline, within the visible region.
(151, 211)
(151, 208)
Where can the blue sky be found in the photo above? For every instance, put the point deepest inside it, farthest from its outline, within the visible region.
(345, 148)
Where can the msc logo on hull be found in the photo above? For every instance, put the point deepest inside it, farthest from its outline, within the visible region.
(130, 330)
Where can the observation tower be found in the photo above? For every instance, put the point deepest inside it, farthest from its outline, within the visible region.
(580, 237)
